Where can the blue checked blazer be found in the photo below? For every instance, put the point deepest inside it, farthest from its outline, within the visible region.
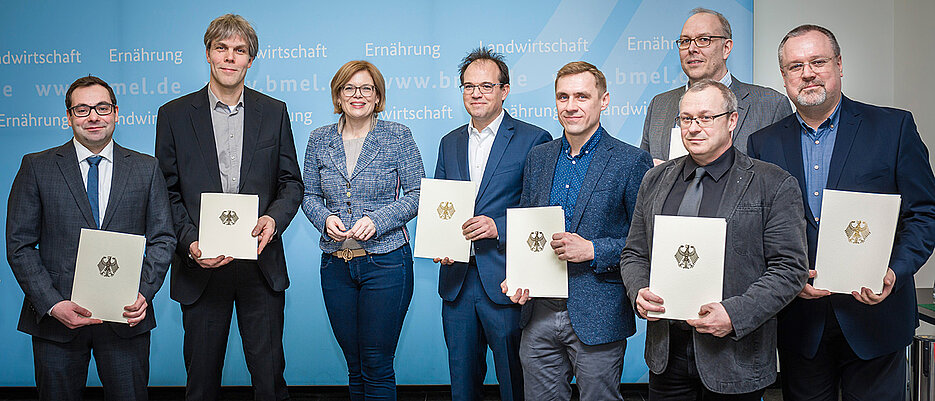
(384, 185)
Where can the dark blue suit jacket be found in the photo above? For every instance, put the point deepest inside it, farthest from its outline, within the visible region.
(499, 189)
(49, 206)
(597, 304)
(877, 149)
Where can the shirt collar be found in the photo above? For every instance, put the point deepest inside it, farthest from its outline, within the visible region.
(588, 146)
(726, 80)
(715, 169)
(213, 100)
(832, 120)
(490, 130)
(83, 153)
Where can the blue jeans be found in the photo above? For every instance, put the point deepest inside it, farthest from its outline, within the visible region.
(367, 300)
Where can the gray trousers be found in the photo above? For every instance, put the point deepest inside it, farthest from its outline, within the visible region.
(552, 354)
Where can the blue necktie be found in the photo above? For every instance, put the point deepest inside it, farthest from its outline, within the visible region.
(93, 161)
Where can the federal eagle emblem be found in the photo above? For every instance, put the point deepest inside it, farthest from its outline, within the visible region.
(107, 266)
(857, 231)
(686, 256)
(446, 210)
(536, 241)
(229, 217)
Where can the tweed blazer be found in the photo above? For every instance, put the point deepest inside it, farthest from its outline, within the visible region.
(757, 107)
(765, 267)
(384, 185)
(47, 209)
(596, 297)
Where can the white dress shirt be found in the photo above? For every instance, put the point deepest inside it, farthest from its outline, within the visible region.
(105, 173)
(479, 145)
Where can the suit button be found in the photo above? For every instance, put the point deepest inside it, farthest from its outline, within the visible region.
(348, 194)
(348, 185)
(349, 211)
(348, 203)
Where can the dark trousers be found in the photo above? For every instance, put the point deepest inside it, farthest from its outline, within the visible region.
(835, 367)
(207, 325)
(122, 364)
(472, 322)
(680, 381)
(367, 299)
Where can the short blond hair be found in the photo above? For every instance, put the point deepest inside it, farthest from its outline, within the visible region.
(231, 25)
(577, 67)
(344, 75)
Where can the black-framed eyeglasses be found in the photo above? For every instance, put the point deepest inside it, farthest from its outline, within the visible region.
(818, 65)
(485, 88)
(83, 110)
(350, 90)
(703, 121)
(701, 41)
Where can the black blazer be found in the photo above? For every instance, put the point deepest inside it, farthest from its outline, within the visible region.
(49, 206)
(187, 155)
(877, 149)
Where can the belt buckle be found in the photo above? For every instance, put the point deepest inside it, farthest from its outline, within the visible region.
(347, 255)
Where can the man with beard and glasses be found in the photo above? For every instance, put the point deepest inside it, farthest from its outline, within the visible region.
(854, 342)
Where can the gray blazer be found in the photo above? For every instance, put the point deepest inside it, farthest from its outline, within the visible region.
(757, 107)
(47, 209)
(765, 267)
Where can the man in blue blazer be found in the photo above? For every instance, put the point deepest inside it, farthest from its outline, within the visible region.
(595, 179)
(89, 182)
(491, 152)
(855, 341)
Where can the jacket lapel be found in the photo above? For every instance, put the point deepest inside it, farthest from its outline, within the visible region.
(665, 186)
(337, 151)
(118, 183)
(500, 142)
(668, 121)
(252, 119)
(369, 151)
(546, 170)
(461, 152)
(68, 164)
(599, 161)
(204, 134)
(792, 150)
(742, 104)
(848, 125)
(739, 180)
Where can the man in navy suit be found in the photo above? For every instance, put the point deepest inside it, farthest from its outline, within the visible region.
(229, 138)
(490, 152)
(595, 179)
(89, 182)
(855, 342)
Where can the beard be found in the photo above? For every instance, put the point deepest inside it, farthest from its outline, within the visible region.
(814, 97)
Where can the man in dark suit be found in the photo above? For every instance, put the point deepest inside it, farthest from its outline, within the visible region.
(855, 342)
(594, 178)
(491, 152)
(704, 46)
(231, 139)
(89, 182)
(729, 351)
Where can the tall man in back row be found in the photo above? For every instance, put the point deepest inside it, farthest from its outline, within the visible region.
(704, 46)
(490, 152)
(90, 182)
(853, 342)
(231, 139)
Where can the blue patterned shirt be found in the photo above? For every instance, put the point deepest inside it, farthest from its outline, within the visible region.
(817, 147)
(569, 174)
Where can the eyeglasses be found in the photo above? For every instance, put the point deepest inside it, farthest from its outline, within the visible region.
(818, 65)
(350, 90)
(703, 121)
(485, 88)
(83, 110)
(701, 41)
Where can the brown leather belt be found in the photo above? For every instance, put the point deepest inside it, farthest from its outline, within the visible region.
(348, 254)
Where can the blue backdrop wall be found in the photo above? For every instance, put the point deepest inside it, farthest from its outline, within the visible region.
(152, 52)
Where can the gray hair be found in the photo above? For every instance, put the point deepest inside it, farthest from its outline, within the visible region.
(725, 25)
(730, 101)
(803, 29)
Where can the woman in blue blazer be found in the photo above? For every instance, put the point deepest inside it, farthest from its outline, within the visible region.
(362, 179)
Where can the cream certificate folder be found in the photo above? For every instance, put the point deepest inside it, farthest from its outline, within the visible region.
(676, 147)
(107, 273)
(855, 239)
(225, 225)
(530, 261)
(687, 265)
(444, 206)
